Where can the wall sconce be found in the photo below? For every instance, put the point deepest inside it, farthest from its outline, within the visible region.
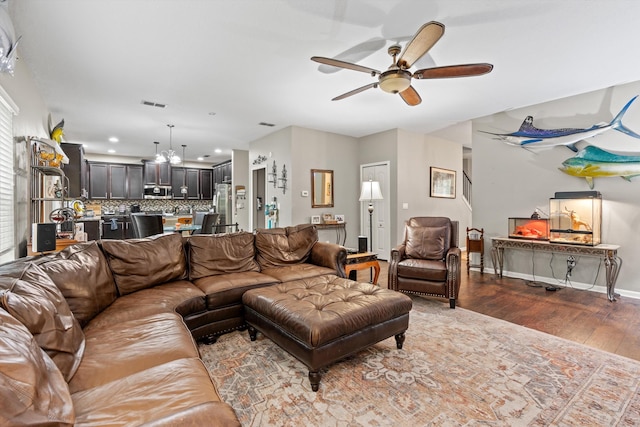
(282, 181)
(273, 175)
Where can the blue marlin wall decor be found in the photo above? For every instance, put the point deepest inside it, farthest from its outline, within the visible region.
(593, 162)
(530, 136)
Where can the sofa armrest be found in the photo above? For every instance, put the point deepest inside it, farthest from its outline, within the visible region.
(397, 255)
(329, 255)
(453, 261)
(205, 414)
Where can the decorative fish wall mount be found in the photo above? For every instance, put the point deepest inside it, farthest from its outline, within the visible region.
(593, 162)
(530, 136)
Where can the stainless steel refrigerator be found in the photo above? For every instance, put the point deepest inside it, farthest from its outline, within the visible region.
(223, 203)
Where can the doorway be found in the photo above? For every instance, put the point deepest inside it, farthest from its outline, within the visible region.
(258, 183)
(380, 218)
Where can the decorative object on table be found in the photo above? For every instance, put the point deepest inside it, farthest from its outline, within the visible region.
(443, 183)
(576, 218)
(593, 162)
(315, 219)
(327, 218)
(397, 78)
(339, 218)
(321, 188)
(530, 136)
(370, 191)
(168, 155)
(529, 228)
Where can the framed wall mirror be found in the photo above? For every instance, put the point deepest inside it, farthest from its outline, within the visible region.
(321, 188)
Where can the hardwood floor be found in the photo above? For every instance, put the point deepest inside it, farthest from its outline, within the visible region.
(577, 315)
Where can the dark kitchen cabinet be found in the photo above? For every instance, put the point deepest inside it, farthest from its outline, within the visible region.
(191, 180)
(75, 170)
(135, 182)
(117, 228)
(98, 180)
(222, 173)
(206, 184)
(117, 182)
(157, 173)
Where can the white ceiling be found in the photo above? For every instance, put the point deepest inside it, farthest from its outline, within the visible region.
(248, 62)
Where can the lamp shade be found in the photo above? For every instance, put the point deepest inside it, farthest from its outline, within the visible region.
(370, 191)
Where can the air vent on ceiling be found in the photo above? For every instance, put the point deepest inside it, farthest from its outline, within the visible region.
(266, 124)
(153, 104)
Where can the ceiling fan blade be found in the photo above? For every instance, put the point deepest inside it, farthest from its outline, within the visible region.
(344, 64)
(355, 91)
(410, 96)
(354, 54)
(420, 44)
(465, 70)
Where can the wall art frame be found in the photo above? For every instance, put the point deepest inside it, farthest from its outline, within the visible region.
(442, 183)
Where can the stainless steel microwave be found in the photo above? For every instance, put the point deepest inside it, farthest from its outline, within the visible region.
(157, 192)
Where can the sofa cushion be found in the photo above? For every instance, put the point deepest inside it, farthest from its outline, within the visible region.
(82, 274)
(179, 296)
(279, 247)
(423, 269)
(300, 271)
(156, 395)
(227, 289)
(427, 242)
(124, 348)
(142, 263)
(211, 255)
(32, 389)
(30, 296)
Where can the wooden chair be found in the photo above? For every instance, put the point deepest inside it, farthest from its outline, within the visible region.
(475, 244)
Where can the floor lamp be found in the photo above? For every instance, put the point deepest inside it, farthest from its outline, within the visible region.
(370, 192)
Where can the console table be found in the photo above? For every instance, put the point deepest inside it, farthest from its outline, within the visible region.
(341, 231)
(607, 253)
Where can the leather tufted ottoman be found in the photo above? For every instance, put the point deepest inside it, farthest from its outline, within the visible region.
(324, 319)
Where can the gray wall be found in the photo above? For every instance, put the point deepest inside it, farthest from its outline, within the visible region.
(510, 181)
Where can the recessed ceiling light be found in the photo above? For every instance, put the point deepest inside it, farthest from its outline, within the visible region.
(217, 151)
(200, 158)
(113, 139)
(111, 151)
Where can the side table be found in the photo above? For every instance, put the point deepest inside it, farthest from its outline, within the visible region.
(362, 261)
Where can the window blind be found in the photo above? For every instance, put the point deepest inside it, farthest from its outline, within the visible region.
(7, 183)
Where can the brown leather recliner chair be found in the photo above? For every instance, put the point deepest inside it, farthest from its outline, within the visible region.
(427, 262)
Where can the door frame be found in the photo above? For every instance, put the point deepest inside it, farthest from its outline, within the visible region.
(386, 206)
(252, 192)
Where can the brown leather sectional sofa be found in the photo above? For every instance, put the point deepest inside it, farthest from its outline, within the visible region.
(103, 333)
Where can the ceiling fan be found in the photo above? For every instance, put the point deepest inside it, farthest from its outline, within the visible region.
(397, 78)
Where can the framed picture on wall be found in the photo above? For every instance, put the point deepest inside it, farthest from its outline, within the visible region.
(443, 183)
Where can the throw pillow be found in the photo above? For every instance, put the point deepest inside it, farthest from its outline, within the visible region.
(29, 295)
(210, 255)
(427, 242)
(82, 274)
(32, 389)
(278, 247)
(142, 263)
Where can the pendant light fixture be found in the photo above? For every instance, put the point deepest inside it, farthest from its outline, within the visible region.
(184, 189)
(170, 155)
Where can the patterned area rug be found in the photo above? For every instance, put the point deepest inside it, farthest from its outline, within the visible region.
(457, 368)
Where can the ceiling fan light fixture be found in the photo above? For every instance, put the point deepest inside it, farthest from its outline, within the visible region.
(395, 81)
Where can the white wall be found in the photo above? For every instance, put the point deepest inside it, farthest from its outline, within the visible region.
(510, 181)
(417, 153)
(240, 177)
